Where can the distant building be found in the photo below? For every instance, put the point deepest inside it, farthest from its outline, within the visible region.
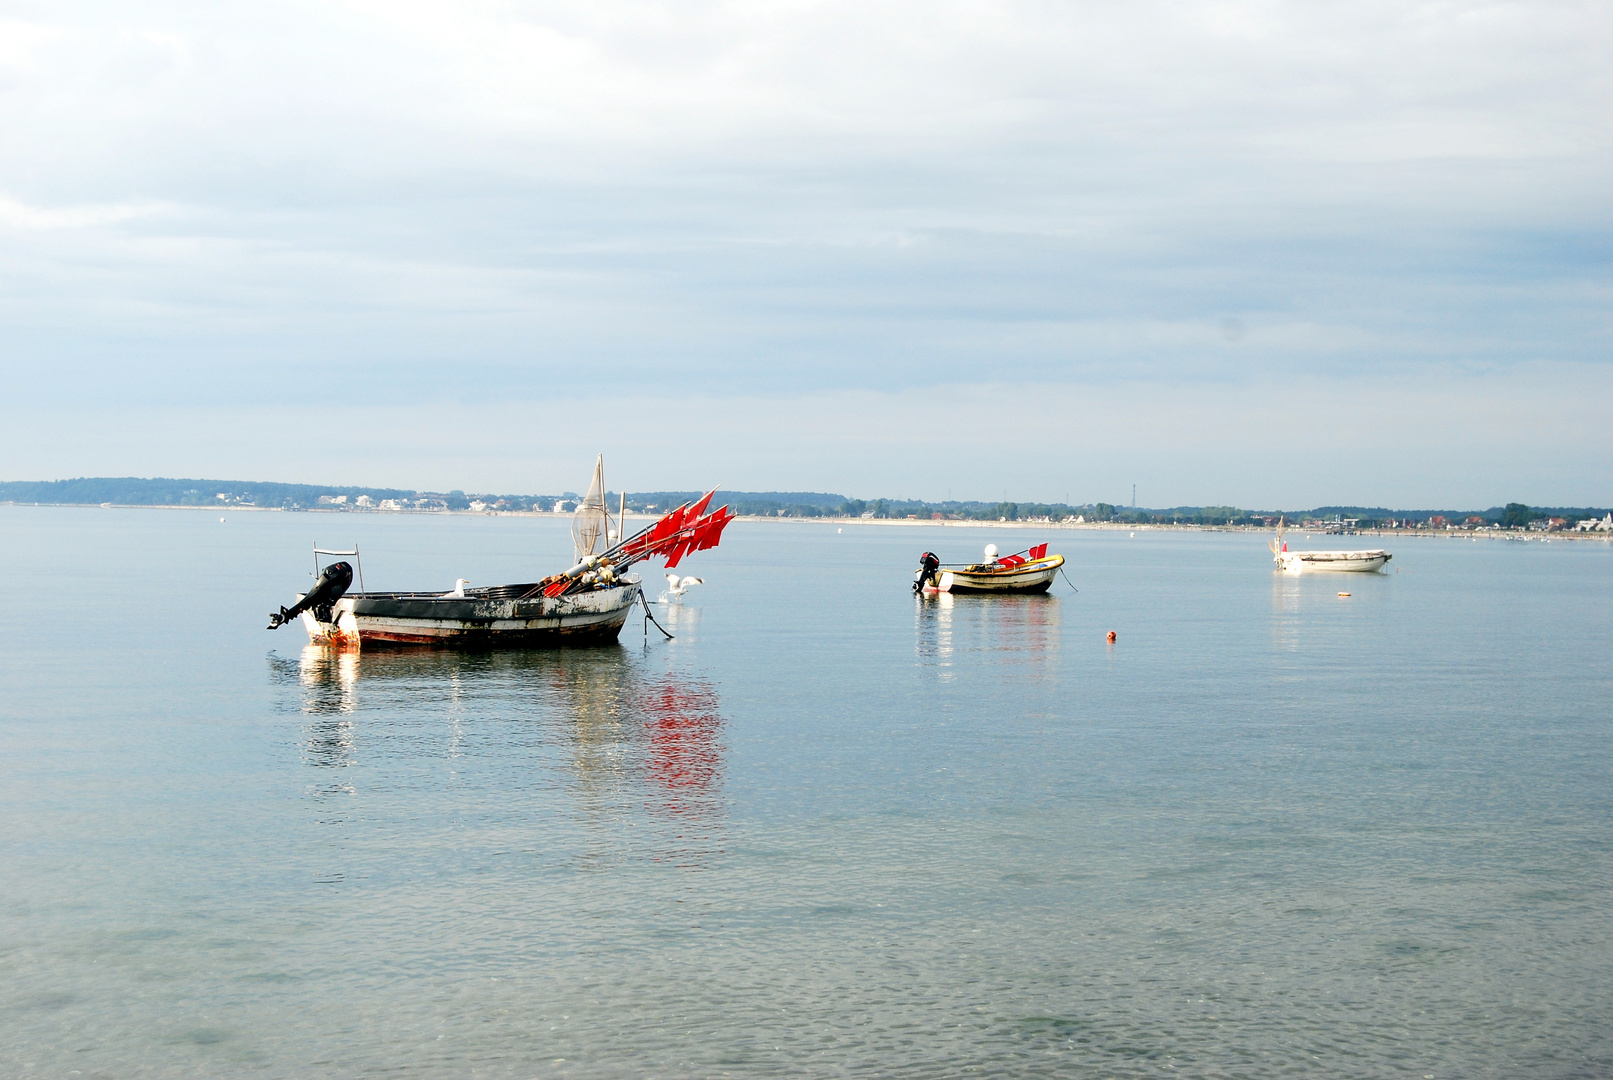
(1556, 524)
(364, 500)
(333, 500)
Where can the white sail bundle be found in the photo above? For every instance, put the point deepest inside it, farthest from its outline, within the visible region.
(592, 519)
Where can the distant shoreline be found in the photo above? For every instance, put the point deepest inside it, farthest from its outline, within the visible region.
(1096, 526)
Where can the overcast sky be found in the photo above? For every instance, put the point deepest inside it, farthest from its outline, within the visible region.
(1266, 254)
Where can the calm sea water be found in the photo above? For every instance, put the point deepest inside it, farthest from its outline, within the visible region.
(828, 830)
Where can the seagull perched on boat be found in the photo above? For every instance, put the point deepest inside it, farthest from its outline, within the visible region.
(677, 586)
(458, 590)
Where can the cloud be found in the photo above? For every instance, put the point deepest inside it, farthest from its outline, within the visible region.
(481, 204)
(20, 215)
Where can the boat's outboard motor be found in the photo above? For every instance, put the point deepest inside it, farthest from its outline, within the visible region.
(332, 584)
(928, 565)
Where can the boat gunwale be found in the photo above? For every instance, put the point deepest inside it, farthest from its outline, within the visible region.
(1047, 562)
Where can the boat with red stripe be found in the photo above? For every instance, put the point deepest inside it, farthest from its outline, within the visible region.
(1028, 571)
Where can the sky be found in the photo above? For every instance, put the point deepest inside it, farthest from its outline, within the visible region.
(1262, 254)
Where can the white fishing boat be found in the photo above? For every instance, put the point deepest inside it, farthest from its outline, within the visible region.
(586, 604)
(1337, 562)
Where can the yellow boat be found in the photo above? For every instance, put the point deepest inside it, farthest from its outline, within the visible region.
(1028, 572)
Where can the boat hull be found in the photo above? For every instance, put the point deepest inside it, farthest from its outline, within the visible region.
(1333, 562)
(489, 620)
(1032, 577)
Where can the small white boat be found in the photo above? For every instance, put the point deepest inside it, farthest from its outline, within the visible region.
(1337, 562)
(1029, 571)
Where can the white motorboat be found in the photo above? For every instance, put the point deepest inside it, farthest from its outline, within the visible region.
(1030, 571)
(1337, 562)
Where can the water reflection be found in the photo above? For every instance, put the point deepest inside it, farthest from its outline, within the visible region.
(685, 765)
(932, 641)
(1285, 617)
(633, 744)
(643, 743)
(1014, 630)
(328, 677)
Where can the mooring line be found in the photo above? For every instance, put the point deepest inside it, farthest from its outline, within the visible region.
(651, 618)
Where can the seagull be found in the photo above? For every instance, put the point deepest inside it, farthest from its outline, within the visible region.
(676, 586)
(459, 589)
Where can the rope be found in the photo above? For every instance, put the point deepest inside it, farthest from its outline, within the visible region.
(1067, 580)
(650, 618)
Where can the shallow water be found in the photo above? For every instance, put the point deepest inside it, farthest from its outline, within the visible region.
(828, 829)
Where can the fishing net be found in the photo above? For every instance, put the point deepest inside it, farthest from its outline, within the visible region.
(592, 520)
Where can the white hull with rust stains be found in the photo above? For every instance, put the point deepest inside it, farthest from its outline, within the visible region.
(477, 619)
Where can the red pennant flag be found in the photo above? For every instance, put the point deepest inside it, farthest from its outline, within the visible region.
(677, 548)
(702, 535)
(670, 523)
(711, 534)
(1011, 560)
(1039, 551)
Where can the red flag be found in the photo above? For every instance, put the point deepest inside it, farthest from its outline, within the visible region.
(670, 523)
(678, 547)
(1011, 560)
(1039, 551)
(711, 534)
(702, 535)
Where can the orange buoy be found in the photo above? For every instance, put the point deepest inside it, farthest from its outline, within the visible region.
(1111, 637)
(1344, 594)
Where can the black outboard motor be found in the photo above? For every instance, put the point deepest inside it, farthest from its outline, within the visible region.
(928, 565)
(332, 584)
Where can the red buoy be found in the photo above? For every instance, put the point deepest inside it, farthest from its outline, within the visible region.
(1111, 637)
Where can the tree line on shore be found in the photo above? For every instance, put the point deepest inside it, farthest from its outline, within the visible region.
(136, 491)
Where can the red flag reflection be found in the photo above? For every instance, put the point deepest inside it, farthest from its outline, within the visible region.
(685, 748)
